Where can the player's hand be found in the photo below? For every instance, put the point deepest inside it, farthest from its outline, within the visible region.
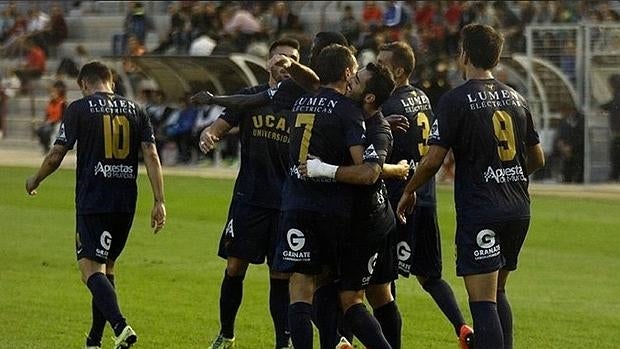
(405, 206)
(279, 60)
(207, 141)
(31, 185)
(402, 170)
(397, 122)
(202, 97)
(158, 216)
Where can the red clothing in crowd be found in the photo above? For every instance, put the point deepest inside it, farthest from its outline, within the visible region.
(36, 59)
(55, 109)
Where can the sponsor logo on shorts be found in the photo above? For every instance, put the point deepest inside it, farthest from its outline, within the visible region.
(296, 241)
(488, 247)
(403, 250)
(372, 262)
(106, 242)
(229, 229)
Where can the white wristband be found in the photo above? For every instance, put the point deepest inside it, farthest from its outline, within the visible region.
(317, 168)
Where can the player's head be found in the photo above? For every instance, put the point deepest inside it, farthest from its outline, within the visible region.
(322, 40)
(93, 74)
(481, 46)
(288, 47)
(373, 84)
(335, 63)
(399, 58)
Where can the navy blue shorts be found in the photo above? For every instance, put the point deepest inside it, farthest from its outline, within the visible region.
(386, 268)
(487, 247)
(419, 245)
(250, 233)
(363, 249)
(102, 237)
(308, 241)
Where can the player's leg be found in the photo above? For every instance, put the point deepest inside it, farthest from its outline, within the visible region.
(301, 288)
(326, 313)
(98, 325)
(278, 306)
(231, 293)
(426, 264)
(386, 312)
(482, 290)
(503, 308)
(363, 325)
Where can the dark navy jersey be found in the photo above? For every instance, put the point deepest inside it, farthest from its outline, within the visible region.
(412, 103)
(284, 95)
(378, 146)
(488, 125)
(264, 138)
(109, 130)
(324, 125)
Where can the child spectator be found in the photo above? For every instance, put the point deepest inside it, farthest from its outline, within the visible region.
(53, 114)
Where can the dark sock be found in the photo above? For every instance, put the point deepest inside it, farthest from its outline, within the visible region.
(98, 325)
(365, 327)
(325, 308)
(444, 297)
(105, 300)
(278, 306)
(230, 300)
(505, 317)
(391, 323)
(487, 327)
(300, 323)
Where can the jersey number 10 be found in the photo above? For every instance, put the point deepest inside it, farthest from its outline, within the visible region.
(116, 136)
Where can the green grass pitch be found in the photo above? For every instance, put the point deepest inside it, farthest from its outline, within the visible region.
(564, 295)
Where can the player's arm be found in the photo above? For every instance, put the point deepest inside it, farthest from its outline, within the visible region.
(535, 158)
(428, 166)
(154, 171)
(239, 101)
(398, 171)
(52, 160)
(212, 134)
(303, 75)
(363, 174)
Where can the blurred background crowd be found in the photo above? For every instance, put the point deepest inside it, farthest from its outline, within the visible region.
(31, 32)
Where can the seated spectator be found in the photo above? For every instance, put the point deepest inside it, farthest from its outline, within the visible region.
(34, 66)
(203, 45)
(136, 25)
(240, 25)
(53, 115)
(181, 129)
(70, 66)
(178, 34)
(53, 33)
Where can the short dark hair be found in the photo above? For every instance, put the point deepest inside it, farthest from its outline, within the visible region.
(324, 39)
(482, 45)
(332, 62)
(93, 72)
(402, 55)
(286, 41)
(381, 84)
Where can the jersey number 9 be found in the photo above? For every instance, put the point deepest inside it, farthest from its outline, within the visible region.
(504, 131)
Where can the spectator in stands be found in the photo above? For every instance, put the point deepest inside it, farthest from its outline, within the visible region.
(613, 108)
(204, 19)
(452, 17)
(179, 32)
(70, 66)
(37, 20)
(53, 115)
(181, 130)
(203, 45)
(372, 14)
(569, 144)
(511, 27)
(33, 67)
(394, 18)
(240, 25)
(349, 25)
(283, 20)
(136, 25)
(158, 112)
(54, 32)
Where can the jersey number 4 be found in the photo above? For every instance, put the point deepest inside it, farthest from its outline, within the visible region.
(116, 136)
(504, 131)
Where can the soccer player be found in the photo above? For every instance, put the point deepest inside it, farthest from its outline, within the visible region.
(317, 212)
(110, 130)
(366, 256)
(419, 248)
(251, 230)
(489, 128)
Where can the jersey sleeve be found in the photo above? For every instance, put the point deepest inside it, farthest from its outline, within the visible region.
(284, 95)
(234, 116)
(146, 128)
(447, 122)
(531, 136)
(69, 127)
(377, 150)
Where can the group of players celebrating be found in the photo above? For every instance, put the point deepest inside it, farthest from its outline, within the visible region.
(322, 191)
(338, 198)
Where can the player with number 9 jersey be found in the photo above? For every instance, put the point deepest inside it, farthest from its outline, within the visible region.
(109, 129)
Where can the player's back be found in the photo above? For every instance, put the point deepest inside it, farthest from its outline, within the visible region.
(324, 125)
(109, 130)
(412, 103)
(488, 125)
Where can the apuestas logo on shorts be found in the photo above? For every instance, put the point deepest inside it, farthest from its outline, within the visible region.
(488, 248)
